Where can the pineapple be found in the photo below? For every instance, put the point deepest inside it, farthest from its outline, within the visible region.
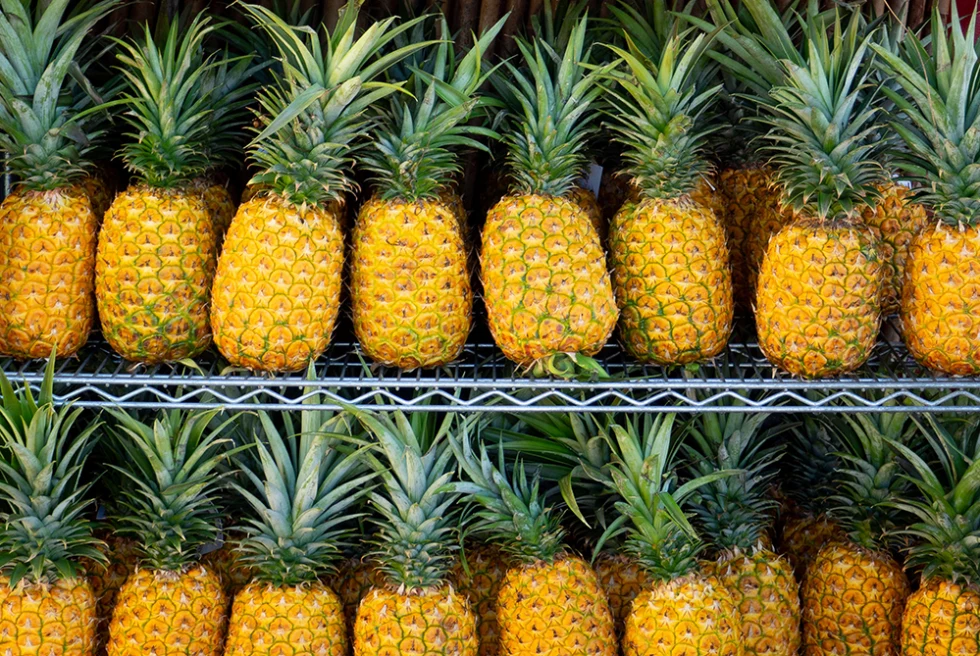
(942, 617)
(939, 308)
(417, 610)
(107, 578)
(48, 226)
(681, 610)
(278, 284)
(47, 606)
(302, 489)
(479, 575)
(735, 513)
(854, 590)
(894, 221)
(668, 249)
(167, 506)
(227, 563)
(546, 287)
(550, 602)
(353, 579)
(410, 280)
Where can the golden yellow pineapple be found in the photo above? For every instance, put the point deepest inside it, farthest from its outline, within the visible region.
(39, 619)
(804, 535)
(220, 205)
(226, 562)
(942, 618)
(479, 580)
(107, 578)
(271, 619)
(543, 270)
(351, 581)
(622, 578)
(429, 622)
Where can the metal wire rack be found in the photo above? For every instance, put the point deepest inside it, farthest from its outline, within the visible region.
(483, 380)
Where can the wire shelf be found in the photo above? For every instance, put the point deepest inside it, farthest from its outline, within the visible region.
(483, 380)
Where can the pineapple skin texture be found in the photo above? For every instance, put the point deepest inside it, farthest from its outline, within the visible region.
(410, 283)
(804, 536)
(852, 602)
(156, 261)
(224, 562)
(894, 223)
(622, 579)
(169, 614)
(818, 298)
(693, 615)
(941, 299)
(277, 290)
(672, 282)
(545, 281)
(220, 205)
(942, 619)
(768, 600)
(352, 580)
(590, 205)
(487, 568)
(554, 609)
(429, 622)
(47, 272)
(47, 619)
(286, 621)
(107, 580)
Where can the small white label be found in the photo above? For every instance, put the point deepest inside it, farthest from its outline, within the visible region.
(592, 179)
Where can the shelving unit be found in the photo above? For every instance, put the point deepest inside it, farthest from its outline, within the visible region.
(483, 380)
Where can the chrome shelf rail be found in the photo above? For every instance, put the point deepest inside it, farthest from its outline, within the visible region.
(483, 380)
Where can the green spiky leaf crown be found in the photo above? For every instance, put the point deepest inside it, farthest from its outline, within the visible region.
(170, 471)
(44, 528)
(44, 97)
(938, 116)
(313, 120)
(418, 139)
(303, 484)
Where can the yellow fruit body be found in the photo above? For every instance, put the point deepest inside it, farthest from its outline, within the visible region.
(99, 187)
(587, 201)
(622, 579)
(767, 597)
(47, 619)
(47, 272)
(941, 299)
(894, 222)
(225, 563)
(805, 535)
(818, 299)
(220, 204)
(155, 265)
(429, 622)
(942, 619)
(672, 282)
(410, 283)
(545, 281)
(693, 615)
(106, 580)
(161, 613)
(277, 289)
(354, 578)
(480, 581)
(304, 620)
(554, 609)
(852, 602)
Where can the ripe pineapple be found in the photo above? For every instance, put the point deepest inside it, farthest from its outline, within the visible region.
(305, 480)
(939, 307)
(226, 561)
(546, 286)
(735, 513)
(550, 602)
(48, 226)
(352, 579)
(942, 617)
(668, 250)
(895, 220)
(410, 280)
(479, 577)
(167, 506)
(277, 289)
(107, 578)
(417, 610)
(622, 578)
(854, 590)
(47, 606)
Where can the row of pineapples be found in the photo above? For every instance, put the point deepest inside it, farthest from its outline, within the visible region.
(432, 534)
(821, 240)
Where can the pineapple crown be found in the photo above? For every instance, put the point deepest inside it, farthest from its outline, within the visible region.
(418, 138)
(551, 115)
(303, 485)
(823, 122)
(947, 518)
(734, 511)
(45, 127)
(512, 510)
(811, 463)
(170, 473)
(416, 531)
(938, 116)
(44, 531)
(657, 113)
(870, 477)
(182, 106)
(313, 119)
(661, 537)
